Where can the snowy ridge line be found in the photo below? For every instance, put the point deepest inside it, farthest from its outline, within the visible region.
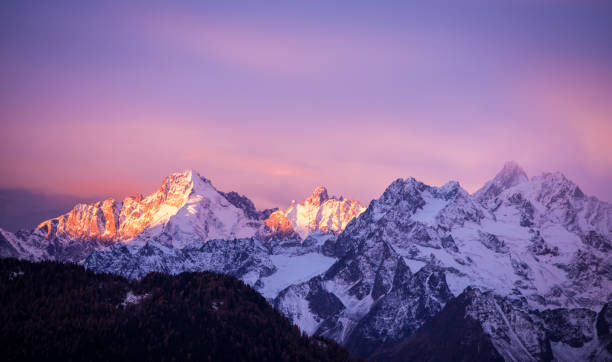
(372, 276)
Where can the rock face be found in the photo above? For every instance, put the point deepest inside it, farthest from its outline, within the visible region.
(268, 267)
(521, 270)
(186, 208)
(510, 176)
(382, 298)
(604, 327)
(481, 326)
(243, 202)
(320, 212)
(400, 313)
(246, 259)
(533, 246)
(452, 335)
(280, 226)
(8, 246)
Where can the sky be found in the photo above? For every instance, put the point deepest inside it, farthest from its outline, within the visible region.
(273, 98)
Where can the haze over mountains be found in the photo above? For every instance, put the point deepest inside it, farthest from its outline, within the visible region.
(526, 261)
(25, 209)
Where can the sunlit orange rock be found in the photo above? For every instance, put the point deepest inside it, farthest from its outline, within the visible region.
(277, 222)
(86, 221)
(322, 212)
(110, 220)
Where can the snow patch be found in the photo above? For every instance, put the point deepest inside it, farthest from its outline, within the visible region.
(427, 214)
(131, 298)
(293, 270)
(414, 265)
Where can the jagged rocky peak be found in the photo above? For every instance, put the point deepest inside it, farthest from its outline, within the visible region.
(410, 188)
(111, 220)
(411, 199)
(555, 186)
(510, 175)
(552, 196)
(279, 225)
(183, 183)
(85, 221)
(186, 207)
(190, 181)
(401, 193)
(318, 196)
(321, 212)
(244, 203)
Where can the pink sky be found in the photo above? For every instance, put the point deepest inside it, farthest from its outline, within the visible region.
(273, 101)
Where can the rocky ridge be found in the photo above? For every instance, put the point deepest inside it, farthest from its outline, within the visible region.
(526, 261)
(186, 208)
(535, 244)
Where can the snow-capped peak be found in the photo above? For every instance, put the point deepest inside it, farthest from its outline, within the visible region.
(318, 196)
(186, 207)
(510, 175)
(320, 211)
(185, 182)
(535, 248)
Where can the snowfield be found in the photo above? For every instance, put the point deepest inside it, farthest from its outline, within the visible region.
(292, 270)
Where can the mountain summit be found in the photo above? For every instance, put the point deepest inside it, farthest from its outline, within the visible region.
(185, 208)
(537, 259)
(318, 196)
(524, 264)
(510, 175)
(329, 214)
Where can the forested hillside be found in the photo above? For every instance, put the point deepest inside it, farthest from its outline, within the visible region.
(56, 311)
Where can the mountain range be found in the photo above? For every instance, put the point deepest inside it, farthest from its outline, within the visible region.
(521, 270)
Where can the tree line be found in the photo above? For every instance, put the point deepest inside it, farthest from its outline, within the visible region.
(57, 311)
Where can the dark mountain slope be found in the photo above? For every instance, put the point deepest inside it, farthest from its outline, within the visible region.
(55, 311)
(449, 336)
